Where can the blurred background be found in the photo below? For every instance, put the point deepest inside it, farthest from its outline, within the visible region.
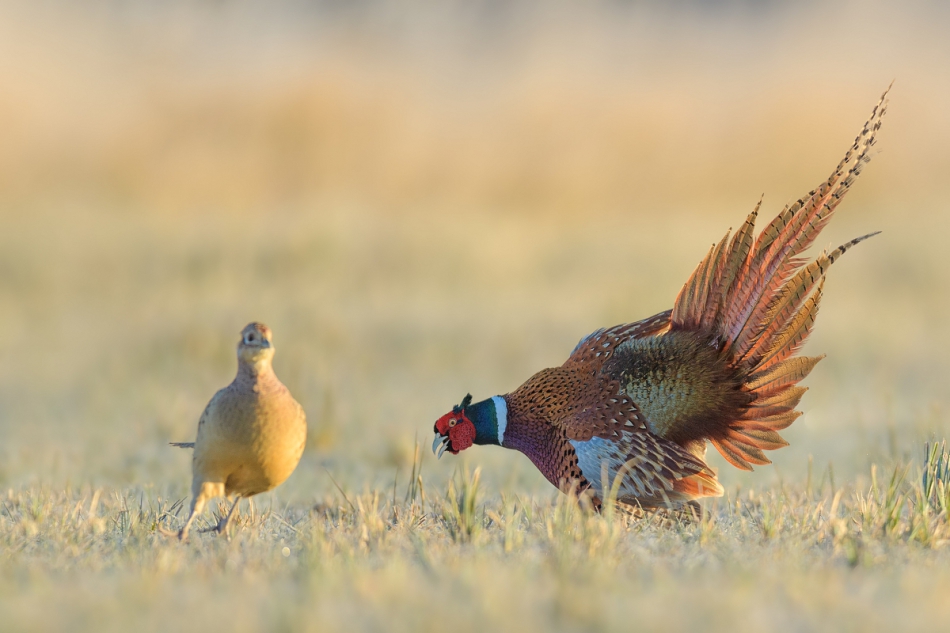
(429, 199)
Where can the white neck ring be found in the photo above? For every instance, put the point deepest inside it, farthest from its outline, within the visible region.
(501, 416)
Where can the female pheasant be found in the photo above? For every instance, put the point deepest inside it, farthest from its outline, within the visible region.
(636, 403)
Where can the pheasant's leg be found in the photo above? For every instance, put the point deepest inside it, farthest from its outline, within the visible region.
(197, 506)
(201, 492)
(223, 523)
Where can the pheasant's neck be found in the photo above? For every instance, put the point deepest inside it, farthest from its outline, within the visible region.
(256, 373)
(490, 418)
(536, 438)
(524, 433)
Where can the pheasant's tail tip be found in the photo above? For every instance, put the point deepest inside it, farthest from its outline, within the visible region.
(884, 95)
(858, 240)
(844, 248)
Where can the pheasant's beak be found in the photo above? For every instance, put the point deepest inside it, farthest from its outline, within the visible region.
(439, 445)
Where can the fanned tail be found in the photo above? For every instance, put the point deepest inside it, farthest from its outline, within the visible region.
(757, 298)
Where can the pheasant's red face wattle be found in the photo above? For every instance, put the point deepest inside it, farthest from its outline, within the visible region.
(454, 431)
(458, 429)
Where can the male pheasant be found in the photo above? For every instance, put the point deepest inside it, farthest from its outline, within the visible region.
(251, 435)
(637, 402)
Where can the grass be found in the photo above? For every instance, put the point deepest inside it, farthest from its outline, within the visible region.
(790, 558)
(423, 205)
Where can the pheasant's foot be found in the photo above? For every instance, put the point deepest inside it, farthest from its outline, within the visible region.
(220, 528)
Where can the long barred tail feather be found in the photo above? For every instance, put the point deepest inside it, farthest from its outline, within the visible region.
(757, 298)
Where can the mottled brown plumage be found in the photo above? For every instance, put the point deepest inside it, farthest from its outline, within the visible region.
(636, 403)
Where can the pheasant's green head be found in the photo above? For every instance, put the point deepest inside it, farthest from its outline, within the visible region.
(454, 431)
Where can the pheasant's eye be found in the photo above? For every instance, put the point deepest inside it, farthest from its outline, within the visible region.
(452, 422)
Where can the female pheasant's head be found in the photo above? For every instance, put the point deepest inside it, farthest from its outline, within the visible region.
(256, 348)
(466, 424)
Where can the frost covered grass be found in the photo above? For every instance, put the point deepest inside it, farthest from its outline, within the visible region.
(864, 556)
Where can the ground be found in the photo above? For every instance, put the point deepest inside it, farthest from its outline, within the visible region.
(787, 559)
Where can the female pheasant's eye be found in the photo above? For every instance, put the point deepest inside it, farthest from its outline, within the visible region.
(452, 423)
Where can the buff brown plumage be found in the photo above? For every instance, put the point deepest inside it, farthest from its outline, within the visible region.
(251, 435)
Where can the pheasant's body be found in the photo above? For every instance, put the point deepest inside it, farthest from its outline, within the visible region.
(638, 402)
(251, 435)
(624, 393)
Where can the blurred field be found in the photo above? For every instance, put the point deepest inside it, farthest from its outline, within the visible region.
(424, 201)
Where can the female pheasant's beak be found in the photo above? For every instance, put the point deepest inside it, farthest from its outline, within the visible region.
(454, 432)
